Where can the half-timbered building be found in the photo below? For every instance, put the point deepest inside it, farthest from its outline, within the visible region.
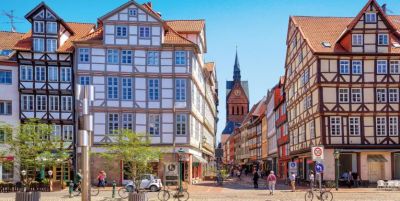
(342, 92)
(45, 67)
(149, 76)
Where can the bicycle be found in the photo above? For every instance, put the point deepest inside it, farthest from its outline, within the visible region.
(94, 191)
(124, 191)
(324, 195)
(165, 194)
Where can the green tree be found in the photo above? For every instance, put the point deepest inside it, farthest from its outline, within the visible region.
(134, 150)
(34, 146)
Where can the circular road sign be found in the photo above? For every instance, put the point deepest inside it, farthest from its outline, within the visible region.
(319, 168)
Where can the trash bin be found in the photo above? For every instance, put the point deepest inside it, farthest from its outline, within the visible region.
(27, 196)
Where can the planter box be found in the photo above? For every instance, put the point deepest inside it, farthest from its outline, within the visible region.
(27, 196)
(138, 197)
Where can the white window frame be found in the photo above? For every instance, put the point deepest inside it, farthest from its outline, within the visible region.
(5, 107)
(393, 126)
(52, 75)
(343, 95)
(383, 39)
(40, 73)
(113, 56)
(84, 55)
(66, 103)
(51, 27)
(27, 102)
(68, 133)
(26, 73)
(127, 88)
(181, 124)
(180, 57)
(354, 126)
(381, 95)
(180, 90)
(335, 125)
(56, 130)
(381, 67)
(154, 124)
(154, 89)
(394, 67)
(51, 45)
(393, 94)
(5, 77)
(132, 12)
(41, 103)
(144, 32)
(153, 58)
(126, 57)
(113, 123)
(356, 67)
(127, 121)
(370, 18)
(54, 103)
(344, 67)
(84, 80)
(380, 126)
(38, 44)
(38, 26)
(357, 39)
(121, 31)
(112, 88)
(356, 95)
(66, 74)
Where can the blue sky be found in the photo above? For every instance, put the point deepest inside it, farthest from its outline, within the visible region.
(257, 27)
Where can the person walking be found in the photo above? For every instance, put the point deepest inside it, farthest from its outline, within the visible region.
(271, 179)
(292, 179)
(312, 179)
(255, 178)
(349, 178)
(101, 178)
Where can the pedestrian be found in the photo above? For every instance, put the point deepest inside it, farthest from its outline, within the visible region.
(292, 179)
(271, 179)
(312, 179)
(349, 179)
(255, 178)
(101, 178)
(238, 173)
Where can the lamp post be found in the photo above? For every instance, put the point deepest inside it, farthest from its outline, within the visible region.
(181, 158)
(23, 172)
(336, 155)
(50, 180)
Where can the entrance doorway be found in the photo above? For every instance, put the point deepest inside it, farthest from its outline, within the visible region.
(375, 171)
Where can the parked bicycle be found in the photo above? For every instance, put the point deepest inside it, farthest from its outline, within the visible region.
(165, 194)
(322, 194)
(94, 190)
(128, 188)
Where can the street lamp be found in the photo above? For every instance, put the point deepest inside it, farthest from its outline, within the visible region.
(181, 153)
(50, 180)
(336, 155)
(23, 172)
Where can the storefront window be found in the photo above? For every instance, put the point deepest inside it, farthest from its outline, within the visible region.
(347, 162)
(397, 166)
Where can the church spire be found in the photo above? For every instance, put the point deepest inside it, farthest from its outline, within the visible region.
(236, 69)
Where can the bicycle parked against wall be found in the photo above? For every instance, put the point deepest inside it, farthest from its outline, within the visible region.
(165, 194)
(94, 190)
(323, 194)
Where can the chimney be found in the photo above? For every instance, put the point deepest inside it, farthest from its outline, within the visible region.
(149, 4)
(384, 8)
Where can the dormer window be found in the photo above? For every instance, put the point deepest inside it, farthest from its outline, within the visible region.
(370, 17)
(357, 39)
(132, 12)
(51, 27)
(38, 27)
(122, 31)
(383, 39)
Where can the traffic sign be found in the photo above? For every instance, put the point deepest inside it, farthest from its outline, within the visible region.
(317, 153)
(293, 167)
(319, 168)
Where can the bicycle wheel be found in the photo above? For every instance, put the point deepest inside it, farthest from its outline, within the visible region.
(163, 195)
(327, 196)
(94, 191)
(183, 196)
(309, 196)
(123, 193)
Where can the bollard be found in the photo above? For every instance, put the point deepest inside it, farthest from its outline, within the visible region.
(71, 188)
(113, 189)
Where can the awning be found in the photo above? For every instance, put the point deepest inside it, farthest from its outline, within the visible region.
(376, 158)
(198, 159)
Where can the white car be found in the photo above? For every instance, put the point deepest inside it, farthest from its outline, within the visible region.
(148, 182)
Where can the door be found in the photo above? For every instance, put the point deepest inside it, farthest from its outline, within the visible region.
(375, 171)
(145, 182)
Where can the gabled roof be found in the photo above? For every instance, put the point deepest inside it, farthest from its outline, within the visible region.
(186, 26)
(79, 29)
(145, 7)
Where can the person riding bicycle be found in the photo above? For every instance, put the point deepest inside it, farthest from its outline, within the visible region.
(78, 178)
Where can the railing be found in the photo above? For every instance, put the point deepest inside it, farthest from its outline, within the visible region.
(11, 187)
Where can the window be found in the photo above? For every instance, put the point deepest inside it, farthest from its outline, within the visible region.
(68, 132)
(122, 31)
(393, 126)
(307, 102)
(27, 102)
(53, 103)
(113, 123)
(370, 17)
(336, 126)
(312, 130)
(381, 95)
(356, 95)
(112, 56)
(132, 12)
(84, 80)
(40, 73)
(5, 77)
(180, 57)
(380, 126)
(112, 87)
(84, 55)
(66, 74)
(393, 95)
(66, 103)
(383, 39)
(344, 67)
(304, 78)
(180, 90)
(153, 89)
(357, 39)
(154, 124)
(51, 27)
(127, 88)
(51, 45)
(26, 73)
(52, 74)
(127, 121)
(381, 67)
(300, 56)
(144, 32)
(38, 44)
(41, 103)
(343, 95)
(5, 108)
(181, 124)
(354, 125)
(356, 67)
(153, 58)
(394, 67)
(126, 56)
(38, 26)
(56, 130)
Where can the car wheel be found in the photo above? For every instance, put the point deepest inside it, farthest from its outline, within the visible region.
(153, 188)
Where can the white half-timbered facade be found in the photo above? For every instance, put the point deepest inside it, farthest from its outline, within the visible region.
(342, 91)
(149, 76)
